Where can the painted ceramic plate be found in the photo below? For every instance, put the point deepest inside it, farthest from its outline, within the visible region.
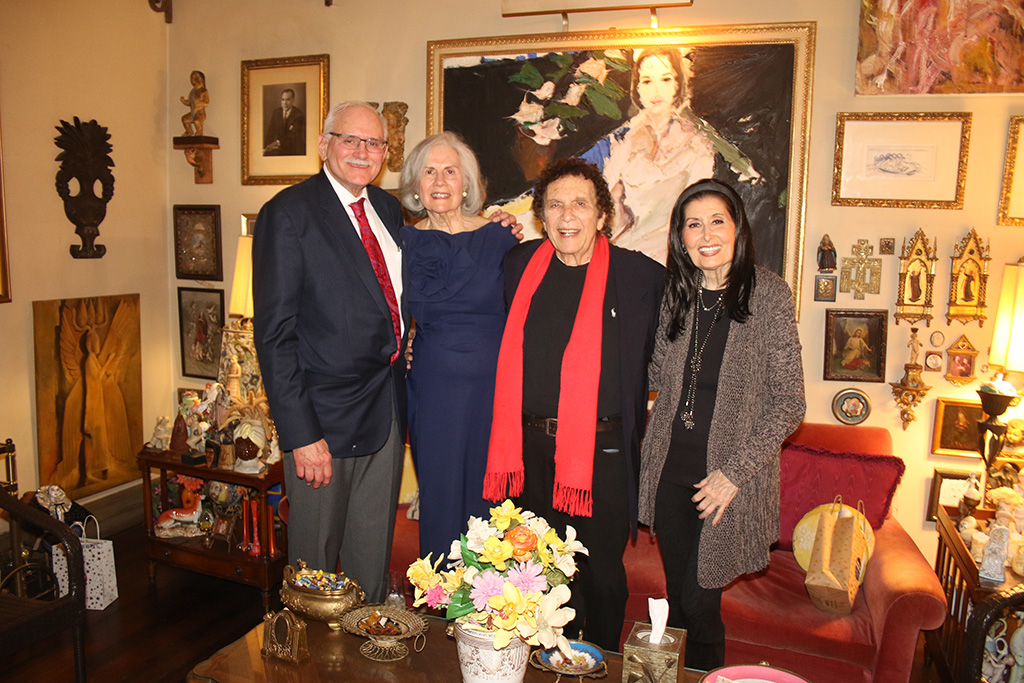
(851, 406)
(586, 659)
(751, 674)
(807, 528)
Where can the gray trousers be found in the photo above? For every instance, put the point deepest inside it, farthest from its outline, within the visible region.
(350, 521)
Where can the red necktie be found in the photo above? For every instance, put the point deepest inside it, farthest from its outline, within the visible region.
(380, 269)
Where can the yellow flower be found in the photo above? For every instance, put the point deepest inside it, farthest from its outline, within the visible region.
(503, 516)
(496, 552)
(453, 579)
(422, 575)
(514, 611)
(551, 617)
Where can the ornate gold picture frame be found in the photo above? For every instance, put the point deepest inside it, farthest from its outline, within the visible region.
(902, 160)
(917, 276)
(5, 271)
(279, 148)
(955, 431)
(523, 101)
(968, 280)
(1011, 198)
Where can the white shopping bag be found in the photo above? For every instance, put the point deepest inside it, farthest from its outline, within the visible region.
(100, 571)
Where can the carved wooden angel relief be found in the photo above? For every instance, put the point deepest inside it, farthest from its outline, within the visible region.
(917, 276)
(968, 280)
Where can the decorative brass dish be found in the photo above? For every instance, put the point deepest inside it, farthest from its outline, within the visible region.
(386, 627)
(327, 604)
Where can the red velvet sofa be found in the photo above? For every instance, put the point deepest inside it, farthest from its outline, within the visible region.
(769, 617)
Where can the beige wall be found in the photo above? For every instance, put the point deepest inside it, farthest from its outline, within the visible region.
(103, 60)
(37, 43)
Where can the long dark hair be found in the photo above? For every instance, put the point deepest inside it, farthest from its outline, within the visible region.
(683, 280)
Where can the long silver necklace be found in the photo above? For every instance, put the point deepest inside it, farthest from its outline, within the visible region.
(698, 350)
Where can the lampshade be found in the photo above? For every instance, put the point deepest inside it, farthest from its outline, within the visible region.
(241, 286)
(1007, 349)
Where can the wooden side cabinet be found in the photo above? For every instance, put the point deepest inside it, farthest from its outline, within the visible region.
(957, 647)
(225, 561)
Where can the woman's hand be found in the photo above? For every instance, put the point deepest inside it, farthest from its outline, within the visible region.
(714, 493)
(508, 219)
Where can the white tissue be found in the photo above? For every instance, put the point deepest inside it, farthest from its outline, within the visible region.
(658, 608)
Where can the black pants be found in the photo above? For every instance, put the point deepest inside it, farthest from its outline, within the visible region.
(698, 610)
(599, 591)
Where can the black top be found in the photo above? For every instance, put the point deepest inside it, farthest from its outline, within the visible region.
(546, 334)
(686, 462)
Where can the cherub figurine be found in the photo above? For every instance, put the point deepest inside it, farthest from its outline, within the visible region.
(914, 345)
(161, 434)
(197, 101)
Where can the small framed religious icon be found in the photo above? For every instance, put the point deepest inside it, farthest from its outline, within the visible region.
(932, 361)
(937, 339)
(855, 345)
(960, 366)
(917, 275)
(824, 287)
(968, 280)
(826, 255)
(886, 246)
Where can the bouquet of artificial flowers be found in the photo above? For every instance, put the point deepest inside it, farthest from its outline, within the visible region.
(508, 575)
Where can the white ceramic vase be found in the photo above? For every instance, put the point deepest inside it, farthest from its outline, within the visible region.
(481, 663)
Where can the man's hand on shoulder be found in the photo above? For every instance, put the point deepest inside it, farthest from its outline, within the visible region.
(508, 219)
(313, 463)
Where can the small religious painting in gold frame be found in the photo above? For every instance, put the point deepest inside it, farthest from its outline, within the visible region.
(968, 280)
(917, 276)
(960, 365)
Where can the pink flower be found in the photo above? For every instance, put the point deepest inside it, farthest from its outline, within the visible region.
(486, 585)
(436, 597)
(528, 577)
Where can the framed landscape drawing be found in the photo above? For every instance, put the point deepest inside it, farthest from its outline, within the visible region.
(901, 160)
(200, 321)
(855, 345)
(738, 110)
(284, 104)
(197, 243)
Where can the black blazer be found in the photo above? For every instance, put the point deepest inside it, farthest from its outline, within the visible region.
(639, 283)
(323, 331)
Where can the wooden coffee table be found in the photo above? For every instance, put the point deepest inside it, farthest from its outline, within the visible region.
(334, 655)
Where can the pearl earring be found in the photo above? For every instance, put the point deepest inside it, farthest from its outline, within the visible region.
(416, 196)
(465, 194)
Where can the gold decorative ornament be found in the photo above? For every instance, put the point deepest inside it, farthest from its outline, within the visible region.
(386, 627)
(968, 280)
(860, 273)
(917, 276)
(328, 606)
(284, 636)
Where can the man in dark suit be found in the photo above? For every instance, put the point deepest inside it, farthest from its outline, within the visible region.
(286, 134)
(328, 334)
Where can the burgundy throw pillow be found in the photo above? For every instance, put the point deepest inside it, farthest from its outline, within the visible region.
(813, 476)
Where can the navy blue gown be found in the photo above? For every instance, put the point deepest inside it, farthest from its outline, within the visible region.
(454, 288)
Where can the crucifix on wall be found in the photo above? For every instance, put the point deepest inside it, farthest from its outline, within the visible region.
(860, 273)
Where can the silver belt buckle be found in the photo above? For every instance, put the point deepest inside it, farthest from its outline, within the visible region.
(550, 425)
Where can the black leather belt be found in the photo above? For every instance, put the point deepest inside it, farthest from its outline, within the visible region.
(549, 425)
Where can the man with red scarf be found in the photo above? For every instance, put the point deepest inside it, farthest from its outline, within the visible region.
(571, 391)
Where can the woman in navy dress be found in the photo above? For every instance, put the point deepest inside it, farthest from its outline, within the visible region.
(454, 289)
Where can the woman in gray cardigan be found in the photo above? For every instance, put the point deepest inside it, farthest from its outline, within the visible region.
(728, 373)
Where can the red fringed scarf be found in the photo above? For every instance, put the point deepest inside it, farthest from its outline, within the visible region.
(577, 400)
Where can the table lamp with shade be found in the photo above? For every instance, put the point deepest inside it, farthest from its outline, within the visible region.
(1006, 355)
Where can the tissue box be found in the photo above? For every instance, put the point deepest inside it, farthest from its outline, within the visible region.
(642, 659)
